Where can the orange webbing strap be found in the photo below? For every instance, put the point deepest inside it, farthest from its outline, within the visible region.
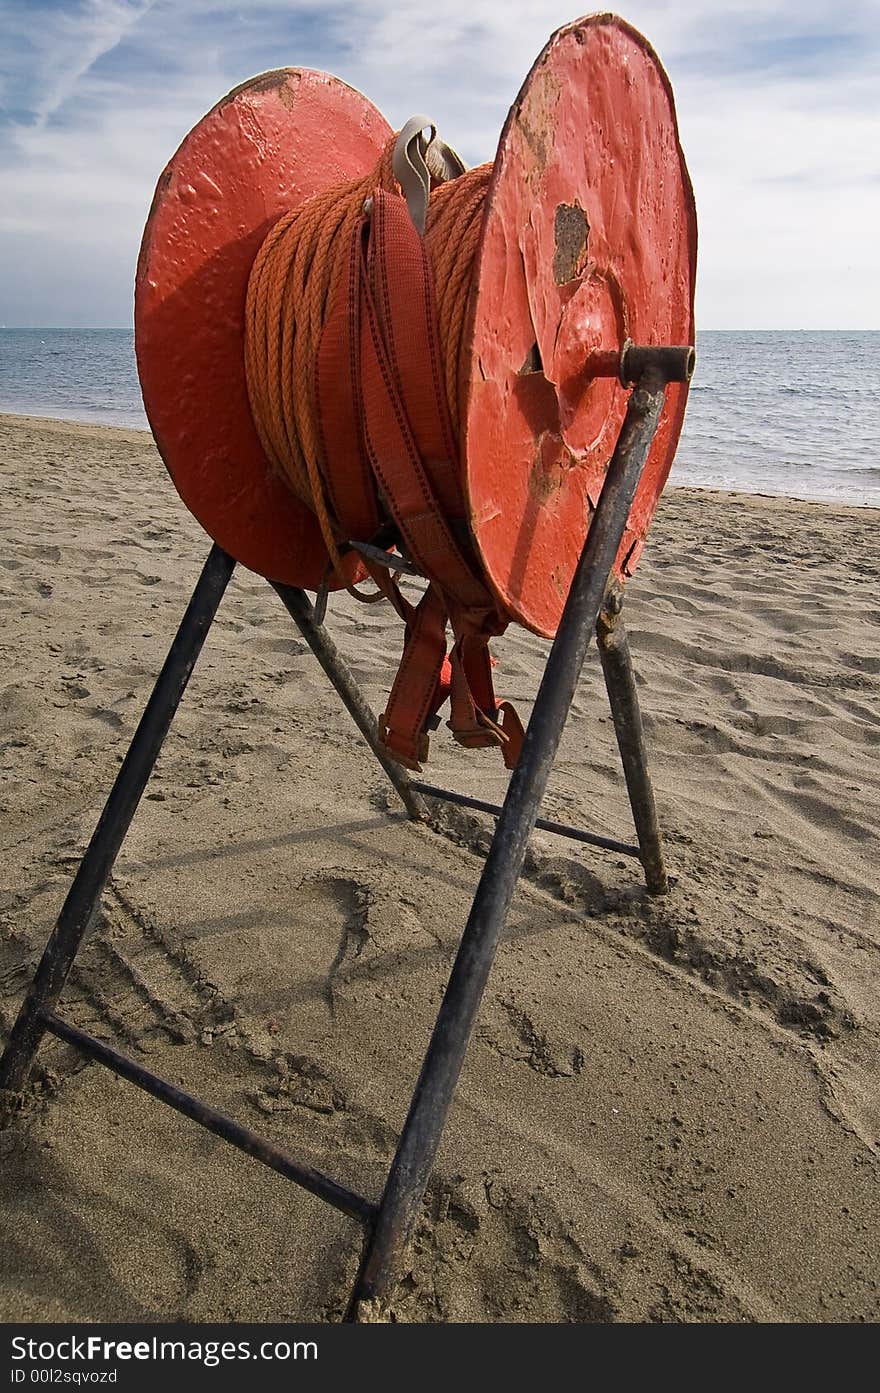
(402, 300)
(422, 682)
(472, 697)
(382, 410)
(350, 485)
(424, 677)
(422, 484)
(405, 439)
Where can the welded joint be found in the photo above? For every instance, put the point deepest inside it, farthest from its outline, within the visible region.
(610, 615)
(672, 362)
(635, 363)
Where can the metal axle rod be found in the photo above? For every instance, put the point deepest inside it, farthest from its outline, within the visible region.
(674, 362)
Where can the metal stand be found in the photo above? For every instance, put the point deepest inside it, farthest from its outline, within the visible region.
(591, 604)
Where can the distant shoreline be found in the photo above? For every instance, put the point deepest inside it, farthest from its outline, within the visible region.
(140, 434)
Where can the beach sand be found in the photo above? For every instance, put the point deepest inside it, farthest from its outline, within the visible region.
(670, 1108)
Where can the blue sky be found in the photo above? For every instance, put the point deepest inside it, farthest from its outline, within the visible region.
(779, 107)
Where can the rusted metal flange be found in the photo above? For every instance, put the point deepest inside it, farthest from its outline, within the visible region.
(265, 148)
(589, 240)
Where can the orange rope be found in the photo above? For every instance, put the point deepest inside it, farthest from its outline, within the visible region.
(288, 296)
(452, 234)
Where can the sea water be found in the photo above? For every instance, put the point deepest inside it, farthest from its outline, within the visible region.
(796, 414)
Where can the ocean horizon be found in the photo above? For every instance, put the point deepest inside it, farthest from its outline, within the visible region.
(787, 413)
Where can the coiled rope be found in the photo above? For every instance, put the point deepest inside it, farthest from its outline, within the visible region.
(294, 276)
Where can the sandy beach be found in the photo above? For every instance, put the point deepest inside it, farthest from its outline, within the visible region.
(670, 1110)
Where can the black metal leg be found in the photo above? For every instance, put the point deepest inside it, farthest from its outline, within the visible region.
(624, 700)
(424, 1124)
(96, 865)
(301, 611)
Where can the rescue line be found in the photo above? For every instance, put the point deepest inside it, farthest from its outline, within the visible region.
(350, 347)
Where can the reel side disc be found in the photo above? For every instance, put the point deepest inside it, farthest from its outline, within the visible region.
(265, 148)
(589, 239)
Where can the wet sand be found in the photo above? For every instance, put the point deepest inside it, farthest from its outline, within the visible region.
(670, 1109)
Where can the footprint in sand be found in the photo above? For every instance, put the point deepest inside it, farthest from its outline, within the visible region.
(280, 969)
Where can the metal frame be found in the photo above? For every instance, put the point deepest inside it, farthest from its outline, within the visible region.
(593, 604)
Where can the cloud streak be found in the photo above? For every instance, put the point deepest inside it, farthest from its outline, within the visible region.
(66, 43)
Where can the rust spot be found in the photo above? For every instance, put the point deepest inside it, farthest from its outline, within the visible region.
(265, 82)
(558, 583)
(550, 466)
(535, 110)
(288, 90)
(570, 230)
(535, 139)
